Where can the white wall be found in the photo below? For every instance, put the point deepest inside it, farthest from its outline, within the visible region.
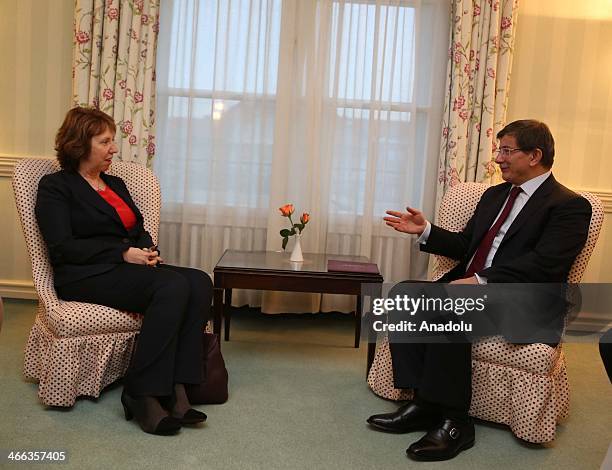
(35, 89)
(562, 75)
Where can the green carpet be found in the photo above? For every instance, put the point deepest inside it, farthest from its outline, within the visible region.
(298, 399)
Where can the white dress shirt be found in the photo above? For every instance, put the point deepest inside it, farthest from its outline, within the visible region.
(528, 188)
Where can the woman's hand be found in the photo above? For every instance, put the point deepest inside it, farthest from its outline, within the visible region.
(154, 255)
(408, 222)
(137, 256)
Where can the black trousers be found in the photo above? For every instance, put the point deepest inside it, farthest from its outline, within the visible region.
(175, 302)
(439, 373)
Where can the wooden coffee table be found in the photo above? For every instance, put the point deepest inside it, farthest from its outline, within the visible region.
(271, 270)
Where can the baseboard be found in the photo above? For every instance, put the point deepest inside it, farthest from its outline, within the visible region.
(17, 289)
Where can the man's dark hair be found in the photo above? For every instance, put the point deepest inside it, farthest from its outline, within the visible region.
(73, 139)
(530, 135)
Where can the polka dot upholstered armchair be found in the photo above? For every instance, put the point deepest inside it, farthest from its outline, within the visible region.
(522, 386)
(77, 348)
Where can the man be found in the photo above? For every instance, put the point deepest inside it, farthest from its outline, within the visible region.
(528, 229)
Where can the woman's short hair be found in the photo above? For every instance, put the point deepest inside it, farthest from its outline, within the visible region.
(531, 134)
(73, 139)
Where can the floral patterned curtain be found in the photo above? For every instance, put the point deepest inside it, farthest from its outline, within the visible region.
(113, 68)
(478, 79)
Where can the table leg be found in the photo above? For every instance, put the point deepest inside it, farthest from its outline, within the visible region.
(371, 334)
(227, 312)
(371, 343)
(358, 321)
(217, 310)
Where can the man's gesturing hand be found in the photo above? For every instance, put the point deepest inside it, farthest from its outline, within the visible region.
(408, 222)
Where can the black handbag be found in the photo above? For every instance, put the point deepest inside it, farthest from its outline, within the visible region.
(213, 389)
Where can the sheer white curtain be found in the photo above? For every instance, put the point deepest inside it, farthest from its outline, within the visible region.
(333, 106)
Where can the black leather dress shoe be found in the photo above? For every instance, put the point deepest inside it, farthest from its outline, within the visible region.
(444, 442)
(408, 418)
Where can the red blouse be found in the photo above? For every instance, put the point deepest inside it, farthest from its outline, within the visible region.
(126, 214)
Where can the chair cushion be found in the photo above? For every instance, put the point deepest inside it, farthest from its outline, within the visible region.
(536, 358)
(70, 319)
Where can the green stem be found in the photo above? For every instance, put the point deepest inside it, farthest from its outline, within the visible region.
(291, 222)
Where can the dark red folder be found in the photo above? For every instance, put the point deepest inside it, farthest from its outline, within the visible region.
(338, 265)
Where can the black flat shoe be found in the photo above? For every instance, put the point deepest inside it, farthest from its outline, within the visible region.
(137, 408)
(408, 418)
(444, 442)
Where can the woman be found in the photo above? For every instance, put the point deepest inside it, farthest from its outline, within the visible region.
(102, 254)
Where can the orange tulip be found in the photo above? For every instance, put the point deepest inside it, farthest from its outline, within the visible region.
(305, 218)
(286, 210)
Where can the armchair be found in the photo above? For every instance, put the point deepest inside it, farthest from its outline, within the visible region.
(522, 386)
(77, 348)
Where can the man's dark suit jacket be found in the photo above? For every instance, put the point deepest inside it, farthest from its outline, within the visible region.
(539, 247)
(83, 232)
(540, 244)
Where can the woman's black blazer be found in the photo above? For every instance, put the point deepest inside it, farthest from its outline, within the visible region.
(84, 233)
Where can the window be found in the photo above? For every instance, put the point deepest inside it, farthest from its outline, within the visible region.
(222, 74)
(216, 99)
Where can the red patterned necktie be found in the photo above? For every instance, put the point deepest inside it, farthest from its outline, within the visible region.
(480, 257)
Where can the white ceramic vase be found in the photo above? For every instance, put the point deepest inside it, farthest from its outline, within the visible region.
(296, 254)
